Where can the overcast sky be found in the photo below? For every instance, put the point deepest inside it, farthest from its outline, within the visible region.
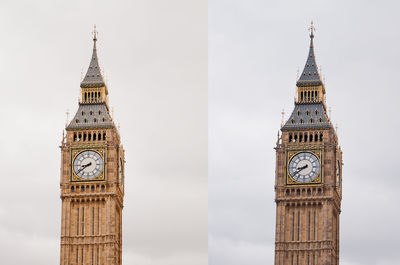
(255, 50)
(154, 55)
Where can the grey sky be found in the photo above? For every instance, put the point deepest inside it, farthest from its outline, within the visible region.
(154, 54)
(255, 49)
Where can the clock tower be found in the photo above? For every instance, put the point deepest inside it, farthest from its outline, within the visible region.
(92, 178)
(308, 189)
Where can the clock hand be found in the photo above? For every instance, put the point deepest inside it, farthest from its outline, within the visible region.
(299, 169)
(83, 167)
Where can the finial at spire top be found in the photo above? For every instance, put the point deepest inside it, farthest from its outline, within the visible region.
(94, 33)
(312, 29)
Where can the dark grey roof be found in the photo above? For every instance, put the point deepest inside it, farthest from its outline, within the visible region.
(91, 116)
(308, 116)
(93, 77)
(310, 75)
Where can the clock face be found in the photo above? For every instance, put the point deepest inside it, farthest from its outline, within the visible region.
(121, 172)
(88, 165)
(304, 167)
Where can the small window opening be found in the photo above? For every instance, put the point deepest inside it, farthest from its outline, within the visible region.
(94, 137)
(319, 191)
(74, 137)
(104, 136)
(99, 136)
(308, 191)
(300, 138)
(305, 138)
(82, 188)
(287, 192)
(72, 189)
(316, 137)
(89, 136)
(92, 188)
(311, 120)
(84, 137)
(320, 137)
(290, 138)
(311, 137)
(298, 191)
(295, 138)
(103, 188)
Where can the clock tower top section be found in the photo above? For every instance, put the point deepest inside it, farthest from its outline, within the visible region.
(310, 108)
(93, 109)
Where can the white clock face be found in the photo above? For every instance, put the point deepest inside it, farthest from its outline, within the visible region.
(88, 165)
(304, 167)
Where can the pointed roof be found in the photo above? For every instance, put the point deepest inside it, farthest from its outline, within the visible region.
(93, 77)
(310, 74)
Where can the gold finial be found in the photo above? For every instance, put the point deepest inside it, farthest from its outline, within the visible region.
(283, 116)
(94, 33)
(312, 29)
(66, 122)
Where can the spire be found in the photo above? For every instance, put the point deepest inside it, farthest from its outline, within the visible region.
(93, 77)
(310, 74)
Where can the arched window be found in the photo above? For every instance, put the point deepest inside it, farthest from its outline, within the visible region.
(319, 191)
(290, 138)
(287, 192)
(72, 189)
(94, 137)
(292, 121)
(320, 137)
(85, 96)
(316, 95)
(308, 192)
(308, 95)
(316, 137)
(311, 120)
(79, 137)
(89, 136)
(298, 113)
(301, 96)
(295, 138)
(305, 137)
(99, 136)
(104, 136)
(311, 137)
(300, 137)
(94, 120)
(74, 137)
(298, 191)
(301, 120)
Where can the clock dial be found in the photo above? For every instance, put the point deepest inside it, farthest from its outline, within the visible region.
(88, 165)
(304, 167)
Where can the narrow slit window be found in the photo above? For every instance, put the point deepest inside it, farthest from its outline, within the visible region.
(92, 223)
(97, 255)
(298, 227)
(83, 220)
(309, 225)
(82, 257)
(92, 255)
(315, 216)
(77, 255)
(77, 222)
(98, 220)
(293, 226)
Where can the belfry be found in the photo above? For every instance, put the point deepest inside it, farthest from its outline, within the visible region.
(308, 190)
(92, 178)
